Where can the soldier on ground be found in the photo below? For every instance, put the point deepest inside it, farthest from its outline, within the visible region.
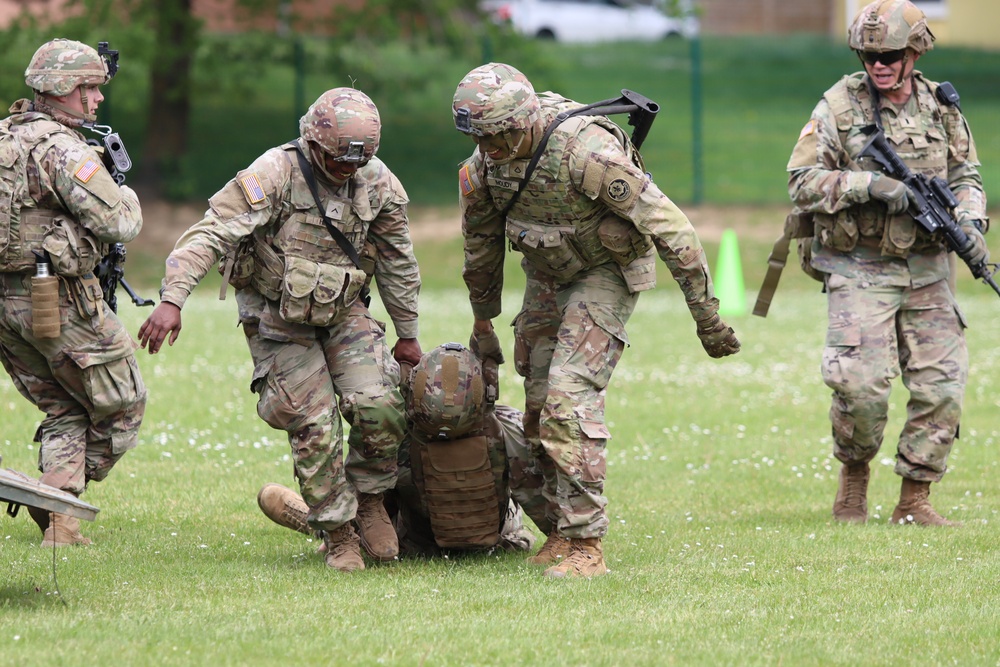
(63, 347)
(590, 224)
(466, 472)
(890, 306)
(302, 231)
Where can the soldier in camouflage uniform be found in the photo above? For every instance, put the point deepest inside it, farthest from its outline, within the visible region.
(465, 469)
(56, 197)
(890, 306)
(301, 296)
(589, 224)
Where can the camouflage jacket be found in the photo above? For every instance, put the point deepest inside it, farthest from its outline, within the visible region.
(57, 192)
(255, 205)
(827, 180)
(585, 175)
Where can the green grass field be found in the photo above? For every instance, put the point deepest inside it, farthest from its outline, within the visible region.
(720, 483)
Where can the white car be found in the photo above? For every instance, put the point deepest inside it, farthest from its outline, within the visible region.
(588, 20)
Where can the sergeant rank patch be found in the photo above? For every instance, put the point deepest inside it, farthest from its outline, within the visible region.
(619, 190)
(252, 188)
(87, 170)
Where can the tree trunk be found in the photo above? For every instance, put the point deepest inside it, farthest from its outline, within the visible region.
(170, 93)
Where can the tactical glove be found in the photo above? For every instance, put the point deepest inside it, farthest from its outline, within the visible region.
(894, 193)
(718, 338)
(979, 252)
(486, 346)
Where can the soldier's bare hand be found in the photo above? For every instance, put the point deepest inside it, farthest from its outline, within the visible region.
(717, 337)
(166, 319)
(407, 351)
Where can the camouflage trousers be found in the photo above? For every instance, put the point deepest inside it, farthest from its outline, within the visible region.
(300, 372)
(86, 381)
(568, 339)
(876, 333)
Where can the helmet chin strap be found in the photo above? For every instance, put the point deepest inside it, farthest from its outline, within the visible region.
(901, 79)
(512, 148)
(61, 113)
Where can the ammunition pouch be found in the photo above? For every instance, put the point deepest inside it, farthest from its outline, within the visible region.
(73, 250)
(315, 294)
(549, 248)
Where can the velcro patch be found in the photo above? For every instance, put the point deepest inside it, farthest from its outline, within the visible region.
(252, 188)
(620, 187)
(86, 170)
(465, 183)
(809, 128)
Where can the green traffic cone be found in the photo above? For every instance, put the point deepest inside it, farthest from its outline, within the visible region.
(728, 277)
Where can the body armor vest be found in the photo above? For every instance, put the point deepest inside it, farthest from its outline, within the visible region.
(23, 226)
(920, 140)
(554, 224)
(299, 264)
(462, 486)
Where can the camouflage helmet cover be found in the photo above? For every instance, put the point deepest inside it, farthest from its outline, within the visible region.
(447, 392)
(494, 98)
(60, 65)
(345, 123)
(890, 25)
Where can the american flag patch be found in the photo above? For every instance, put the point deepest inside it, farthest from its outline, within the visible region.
(465, 183)
(251, 188)
(86, 170)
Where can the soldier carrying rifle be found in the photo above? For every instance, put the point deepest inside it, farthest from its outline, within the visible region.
(62, 345)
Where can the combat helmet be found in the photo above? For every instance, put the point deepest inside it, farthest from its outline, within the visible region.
(496, 99)
(61, 65)
(890, 25)
(447, 397)
(344, 124)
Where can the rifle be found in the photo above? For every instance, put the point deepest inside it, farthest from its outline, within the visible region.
(110, 270)
(931, 203)
(110, 273)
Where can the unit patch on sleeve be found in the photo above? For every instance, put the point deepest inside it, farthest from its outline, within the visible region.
(465, 182)
(86, 170)
(252, 188)
(619, 189)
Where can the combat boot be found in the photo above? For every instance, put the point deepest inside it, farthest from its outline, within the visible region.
(63, 531)
(555, 550)
(851, 504)
(375, 530)
(914, 507)
(284, 507)
(586, 559)
(343, 550)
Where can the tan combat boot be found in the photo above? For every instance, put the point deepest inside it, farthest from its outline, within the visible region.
(914, 507)
(284, 507)
(375, 530)
(851, 504)
(343, 550)
(586, 559)
(555, 550)
(63, 531)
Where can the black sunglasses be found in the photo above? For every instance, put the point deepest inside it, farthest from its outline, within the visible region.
(885, 57)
